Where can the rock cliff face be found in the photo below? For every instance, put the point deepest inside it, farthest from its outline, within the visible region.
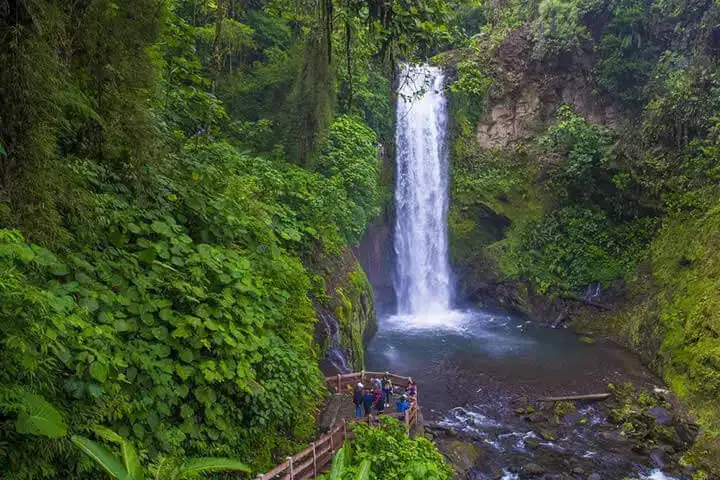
(377, 257)
(526, 94)
(346, 314)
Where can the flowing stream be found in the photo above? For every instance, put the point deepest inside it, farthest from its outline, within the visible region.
(470, 365)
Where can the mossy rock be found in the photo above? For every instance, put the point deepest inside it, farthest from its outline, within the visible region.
(463, 456)
(547, 435)
(563, 408)
(587, 340)
(526, 410)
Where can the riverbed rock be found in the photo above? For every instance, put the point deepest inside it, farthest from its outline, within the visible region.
(463, 456)
(594, 476)
(531, 442)
(531, 470)
(536, 417)
(658, 458)
(661, 415)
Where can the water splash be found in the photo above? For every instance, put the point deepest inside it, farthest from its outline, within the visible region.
(421, 238)
(447, 320)
(335, 353)
(656, 475)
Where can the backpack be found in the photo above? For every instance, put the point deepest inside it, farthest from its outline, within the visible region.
(386, 384)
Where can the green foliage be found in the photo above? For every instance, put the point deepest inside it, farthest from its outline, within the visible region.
(627, 51)
(571, 248)
(558, 29)
(154, 154)
(103, 457)
(35, 416)
(470, 88)
(342, 458)
(391, 451)
(129, 467)
(387, 452)
(351, 160)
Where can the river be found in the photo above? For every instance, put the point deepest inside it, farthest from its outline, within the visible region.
(471, 366)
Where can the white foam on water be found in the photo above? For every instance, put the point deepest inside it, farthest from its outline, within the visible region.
(449, 320)
(509, 475)
(656, 475)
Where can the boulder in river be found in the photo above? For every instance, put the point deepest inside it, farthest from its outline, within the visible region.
(531, 470)
(463, 456)
(661, 415)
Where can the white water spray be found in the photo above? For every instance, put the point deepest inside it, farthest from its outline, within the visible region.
(422, 281)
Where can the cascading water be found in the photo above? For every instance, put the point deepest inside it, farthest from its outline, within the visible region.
(422, 282)
(335, 353)
(472, 364)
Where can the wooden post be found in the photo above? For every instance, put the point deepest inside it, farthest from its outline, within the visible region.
(332, 443)
(407, 421)
(292, 473)
(362, 376)
(338, 380)
(315, 472)
(344, 429)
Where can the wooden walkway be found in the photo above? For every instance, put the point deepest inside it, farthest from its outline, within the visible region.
(317, 458)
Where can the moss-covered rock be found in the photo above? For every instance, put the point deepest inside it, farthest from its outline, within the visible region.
(356, 312)
(347, 304)
(463, 456)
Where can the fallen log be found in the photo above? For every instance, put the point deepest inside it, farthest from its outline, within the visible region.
(592, 396)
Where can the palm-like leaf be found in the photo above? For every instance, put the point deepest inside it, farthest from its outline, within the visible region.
(38, 417)
(195, 466)
(103, 457)
(338, 464)
(129, 454)
(364, 472)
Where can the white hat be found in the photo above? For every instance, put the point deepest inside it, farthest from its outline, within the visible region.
(359, 385)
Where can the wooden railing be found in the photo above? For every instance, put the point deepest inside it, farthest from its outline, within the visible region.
(318, 456)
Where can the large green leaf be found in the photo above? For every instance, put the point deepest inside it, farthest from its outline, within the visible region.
(338, 464)
(38, 417)
(364, 472)
(130, 457)
(103, 457)
(195, 466)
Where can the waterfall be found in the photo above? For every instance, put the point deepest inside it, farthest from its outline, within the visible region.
(335, 353)
(422, 282)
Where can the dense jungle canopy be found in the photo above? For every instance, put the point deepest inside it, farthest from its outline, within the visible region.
(179, 178)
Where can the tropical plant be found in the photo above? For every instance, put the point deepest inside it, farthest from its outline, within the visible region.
(34, 414)
(342, 466)
(128, 467)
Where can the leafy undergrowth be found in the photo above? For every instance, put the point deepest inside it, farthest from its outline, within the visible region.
(387, 452)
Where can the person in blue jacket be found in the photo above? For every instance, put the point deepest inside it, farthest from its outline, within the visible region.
(402, 404)
(368, 401)
(358, 400)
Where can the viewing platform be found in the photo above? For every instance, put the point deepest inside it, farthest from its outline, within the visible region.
(317, 458)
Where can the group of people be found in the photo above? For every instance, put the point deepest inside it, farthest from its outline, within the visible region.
(379, 394)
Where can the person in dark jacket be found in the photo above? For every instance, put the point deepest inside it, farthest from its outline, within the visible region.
(358, 400)
(368, 400)
(411, 389)
(379, 402)
(387, 388)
